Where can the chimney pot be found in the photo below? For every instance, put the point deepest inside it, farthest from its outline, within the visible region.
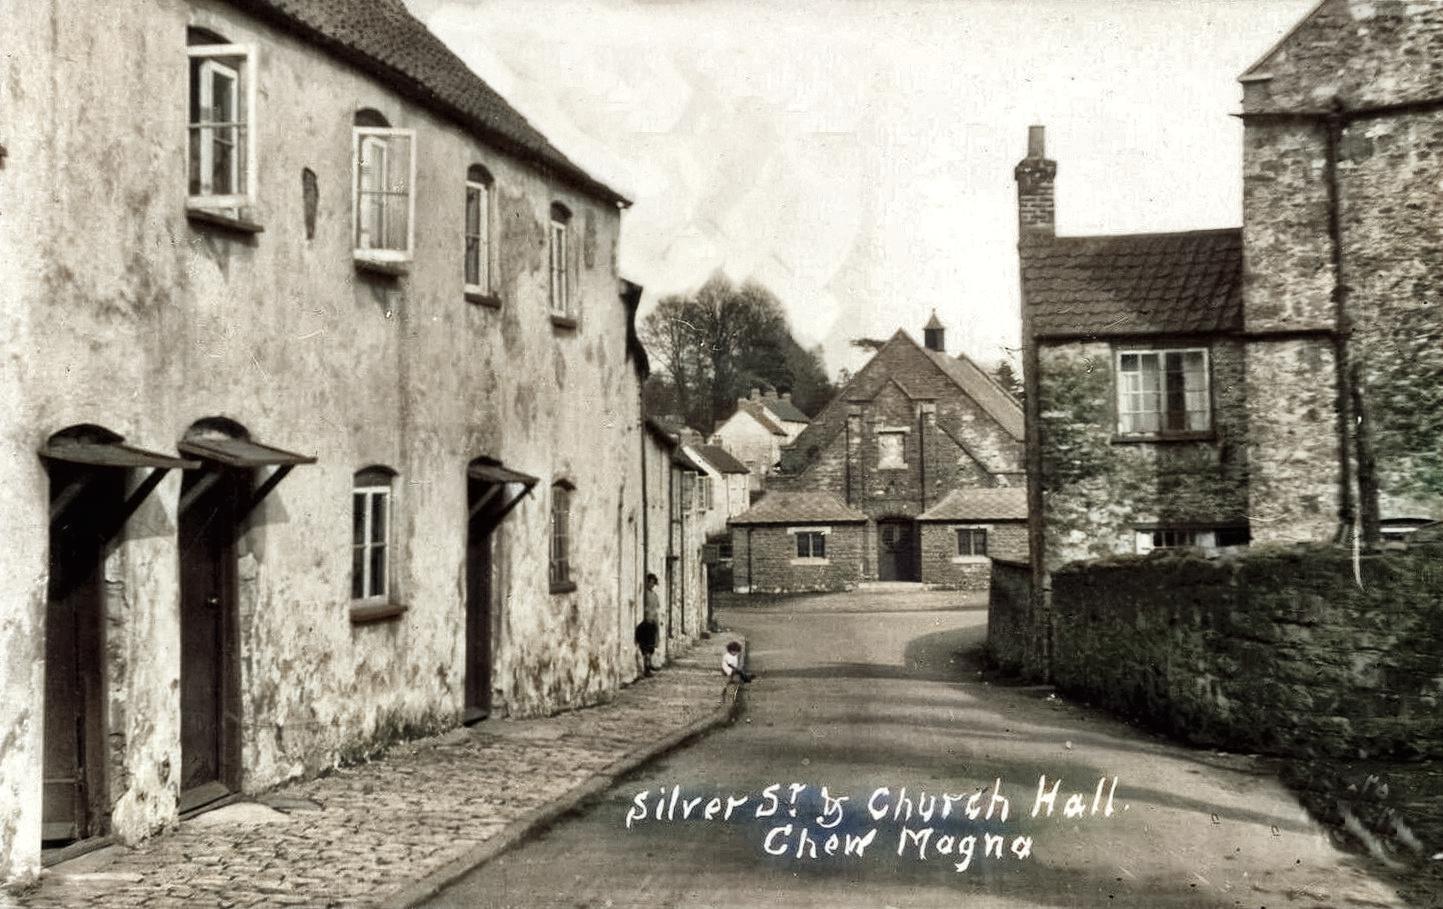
(786, 396)
(1036, 142)
(756, 394)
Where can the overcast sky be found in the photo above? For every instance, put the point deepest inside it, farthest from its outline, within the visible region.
(856, 155)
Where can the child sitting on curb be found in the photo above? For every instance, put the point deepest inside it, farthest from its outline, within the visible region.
(732, 664)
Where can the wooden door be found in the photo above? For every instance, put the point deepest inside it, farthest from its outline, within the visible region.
(73, 791)
(208, 665)
(478, 621)
(896, 551)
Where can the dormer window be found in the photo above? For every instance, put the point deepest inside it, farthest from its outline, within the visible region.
(221, 149)
(384, 204)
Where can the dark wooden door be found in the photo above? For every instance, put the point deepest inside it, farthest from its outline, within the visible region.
(478, 621)
(896, 551)
(73, 793)
(208, 666)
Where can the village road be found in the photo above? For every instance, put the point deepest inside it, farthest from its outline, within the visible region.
(862, 701)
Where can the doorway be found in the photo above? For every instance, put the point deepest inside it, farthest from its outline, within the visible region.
(210, 512)
(897, 551)
(478, 620)
(84, 502)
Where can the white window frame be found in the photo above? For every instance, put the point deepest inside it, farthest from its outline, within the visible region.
(483, 238)
(957, 554)
(244, 75)
(901, 435)
(797, 532)
(1197, 538)
(1123, 390)
(367, 545)
(704, 496)
(560, 531)
(359, 134)
(559, 264)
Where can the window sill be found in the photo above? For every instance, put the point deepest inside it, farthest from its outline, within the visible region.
(393, 268)
(970, 560)
(368, 613)
(225, 222)
(891, 466)
(563, 587)
(566, 322)
(483, 299)
(811, 561)
(1204, 436)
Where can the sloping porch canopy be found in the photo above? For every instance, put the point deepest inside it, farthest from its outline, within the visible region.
(496, 492)
(99, 448)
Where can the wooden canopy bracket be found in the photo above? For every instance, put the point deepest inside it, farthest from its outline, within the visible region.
(270, 484)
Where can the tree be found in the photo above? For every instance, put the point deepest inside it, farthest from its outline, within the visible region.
(715, 345)
(1007, 378)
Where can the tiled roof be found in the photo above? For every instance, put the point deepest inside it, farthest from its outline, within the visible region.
(1144, 284)
(983, 389)
(763, 416)
(783, 409)
(799, 508)
(1005, 503)
(721, 459)
(382, 39)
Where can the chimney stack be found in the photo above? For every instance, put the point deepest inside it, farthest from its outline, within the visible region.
(1036, 204)
(786, 396)
(934, 334)
(756, 394)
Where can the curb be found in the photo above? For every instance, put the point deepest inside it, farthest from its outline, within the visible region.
(537, 818)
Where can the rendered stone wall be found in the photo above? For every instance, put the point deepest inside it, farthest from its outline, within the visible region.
(764, 560)
(1096, 490)
(1277, 650)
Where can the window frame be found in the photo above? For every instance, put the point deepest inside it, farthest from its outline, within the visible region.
(359, 135)
(811, 535)
(559, 291)
(1120, 391)
(971, 555)
(245, 94)
(1203, 538)
(367, 488)
(484, 270)
(562, 581)
(901, 435)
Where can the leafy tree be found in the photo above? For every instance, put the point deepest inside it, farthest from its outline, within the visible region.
(715, 345)
(1007, 378)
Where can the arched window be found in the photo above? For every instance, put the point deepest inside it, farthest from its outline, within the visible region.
(560, 258)
(222, 149)
(478, 230)
(384, 175)
(561, 537)
(371, 534)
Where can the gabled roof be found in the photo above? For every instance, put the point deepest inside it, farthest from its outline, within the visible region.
(1257, 70)
(721, 459)
(783, 409)
(757, 412)
(983, 389)
(1143, 284)
(382, 39)
(799, 508)
(933, 323)
(1003, 503)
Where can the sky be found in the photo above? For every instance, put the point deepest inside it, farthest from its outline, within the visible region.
(856, 156)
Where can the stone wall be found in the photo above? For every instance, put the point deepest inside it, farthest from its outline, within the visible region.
(155, 320)
(942, 567)
(764, 560)
(1009, 610)
(1097, 490)
(1277, 650)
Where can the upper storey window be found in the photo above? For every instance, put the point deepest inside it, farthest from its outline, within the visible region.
(478, 230)
(222, 131)
(1163, 392)
(384, 203)
(560, 260)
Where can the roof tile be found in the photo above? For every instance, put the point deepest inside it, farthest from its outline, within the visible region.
(1003, 503)
(799, 508)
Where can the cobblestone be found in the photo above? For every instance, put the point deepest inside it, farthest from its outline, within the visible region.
(381, 825)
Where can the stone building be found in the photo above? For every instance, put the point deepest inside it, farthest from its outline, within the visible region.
(1276, 383)
(322, 408)
(674, 535)
(757, 431)
(723, 488)
(963, 533)
(794, 542)
(913, 425)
